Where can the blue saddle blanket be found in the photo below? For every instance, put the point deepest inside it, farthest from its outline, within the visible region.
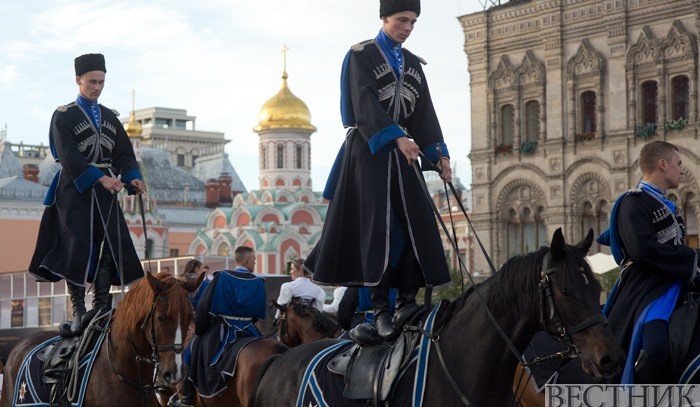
(31, 391)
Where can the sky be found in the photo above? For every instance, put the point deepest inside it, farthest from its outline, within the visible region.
(220, 60)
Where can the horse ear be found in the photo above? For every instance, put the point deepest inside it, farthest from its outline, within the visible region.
(156, 285)
(191, 286)
(584, 245)
(557, 247)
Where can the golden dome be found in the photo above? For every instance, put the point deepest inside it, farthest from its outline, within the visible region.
(133, 128)
(284, 111)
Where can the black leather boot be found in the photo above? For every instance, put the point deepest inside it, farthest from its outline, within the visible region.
(103, 281)
(406, 306)
(77, 299)
(382, 317)
(186, 396)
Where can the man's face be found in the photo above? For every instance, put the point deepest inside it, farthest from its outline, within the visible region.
(91, 84)
(672, 169)
(250, 262)
(399, 26)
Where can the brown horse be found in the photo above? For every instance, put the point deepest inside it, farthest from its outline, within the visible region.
(301, 323)
(147, 329)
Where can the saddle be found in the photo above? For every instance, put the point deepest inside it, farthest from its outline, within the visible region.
(370, 371)
(61, 359)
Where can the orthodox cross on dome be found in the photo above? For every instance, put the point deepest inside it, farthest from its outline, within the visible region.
(133, 99)
(285, 48)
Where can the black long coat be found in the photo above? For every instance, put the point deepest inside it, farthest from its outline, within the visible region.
(652, 242)
(372, 178)
(71, 229)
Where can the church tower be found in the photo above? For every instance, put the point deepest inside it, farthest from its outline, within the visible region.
(284, 127)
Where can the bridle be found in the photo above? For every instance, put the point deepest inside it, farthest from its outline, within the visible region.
(156, 384)
(561, 332)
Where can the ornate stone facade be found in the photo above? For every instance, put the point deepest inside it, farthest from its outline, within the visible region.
(573, 89)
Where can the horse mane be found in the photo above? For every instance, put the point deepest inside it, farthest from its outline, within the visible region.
(322, 322)
(137, 303)
(515, 285)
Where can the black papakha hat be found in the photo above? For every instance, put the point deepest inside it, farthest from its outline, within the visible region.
(89, 62)
(389, 7)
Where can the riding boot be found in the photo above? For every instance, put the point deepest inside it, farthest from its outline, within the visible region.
(186, 395)
(77, 299)
(406, 306)
(382, 317)
(103, 281)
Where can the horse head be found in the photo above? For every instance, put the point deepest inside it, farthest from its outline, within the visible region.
(302, 323)
(570, 307)
(167, 323)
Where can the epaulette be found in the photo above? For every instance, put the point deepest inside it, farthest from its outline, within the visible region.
(64, 108)
(420, 59)
(116, 113)
(360, 45)
(634, 191)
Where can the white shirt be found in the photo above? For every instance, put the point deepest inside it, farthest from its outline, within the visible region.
(332, 308)
(304, 288)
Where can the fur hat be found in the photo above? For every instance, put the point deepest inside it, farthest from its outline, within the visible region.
(89, 62)
(389, 7)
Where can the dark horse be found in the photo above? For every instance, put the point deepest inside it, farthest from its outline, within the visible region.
(154, 315)
(474, 353)
(301, 323)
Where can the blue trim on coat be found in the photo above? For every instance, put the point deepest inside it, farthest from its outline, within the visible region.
(50, 197)
(332, 182)
(660, 309)
(383, 140)
(88, 178)
(347, 113)
(131, 175)
(431, 152)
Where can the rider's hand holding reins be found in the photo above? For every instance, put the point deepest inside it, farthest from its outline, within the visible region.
(139, 186)
(111, 184)
(445, 169)
(408, 148)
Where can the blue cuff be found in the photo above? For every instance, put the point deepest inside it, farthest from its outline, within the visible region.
(431, 152)
(87, 179)
(385, 136)
(131, 175)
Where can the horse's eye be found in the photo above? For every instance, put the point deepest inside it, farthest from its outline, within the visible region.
(160, 319)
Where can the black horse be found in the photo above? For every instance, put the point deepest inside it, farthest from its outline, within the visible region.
(474, 353)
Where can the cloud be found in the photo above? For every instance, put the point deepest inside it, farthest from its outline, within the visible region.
(8, 74)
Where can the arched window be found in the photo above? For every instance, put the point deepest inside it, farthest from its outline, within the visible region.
(650, 93)
(507, 124)
(588, 102)
(513, 233)
(298, 156)
(690, 217)
(541, 229)
(223, 249)
(679, 89)
(529, 231)
(532, 120)
(263, 156)
(280, 155)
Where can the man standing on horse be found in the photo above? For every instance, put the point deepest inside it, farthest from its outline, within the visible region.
(380, 230)
(646, 238)
(230, 305)
(83, 237)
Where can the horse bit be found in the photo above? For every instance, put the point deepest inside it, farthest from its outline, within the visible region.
(156, 385)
